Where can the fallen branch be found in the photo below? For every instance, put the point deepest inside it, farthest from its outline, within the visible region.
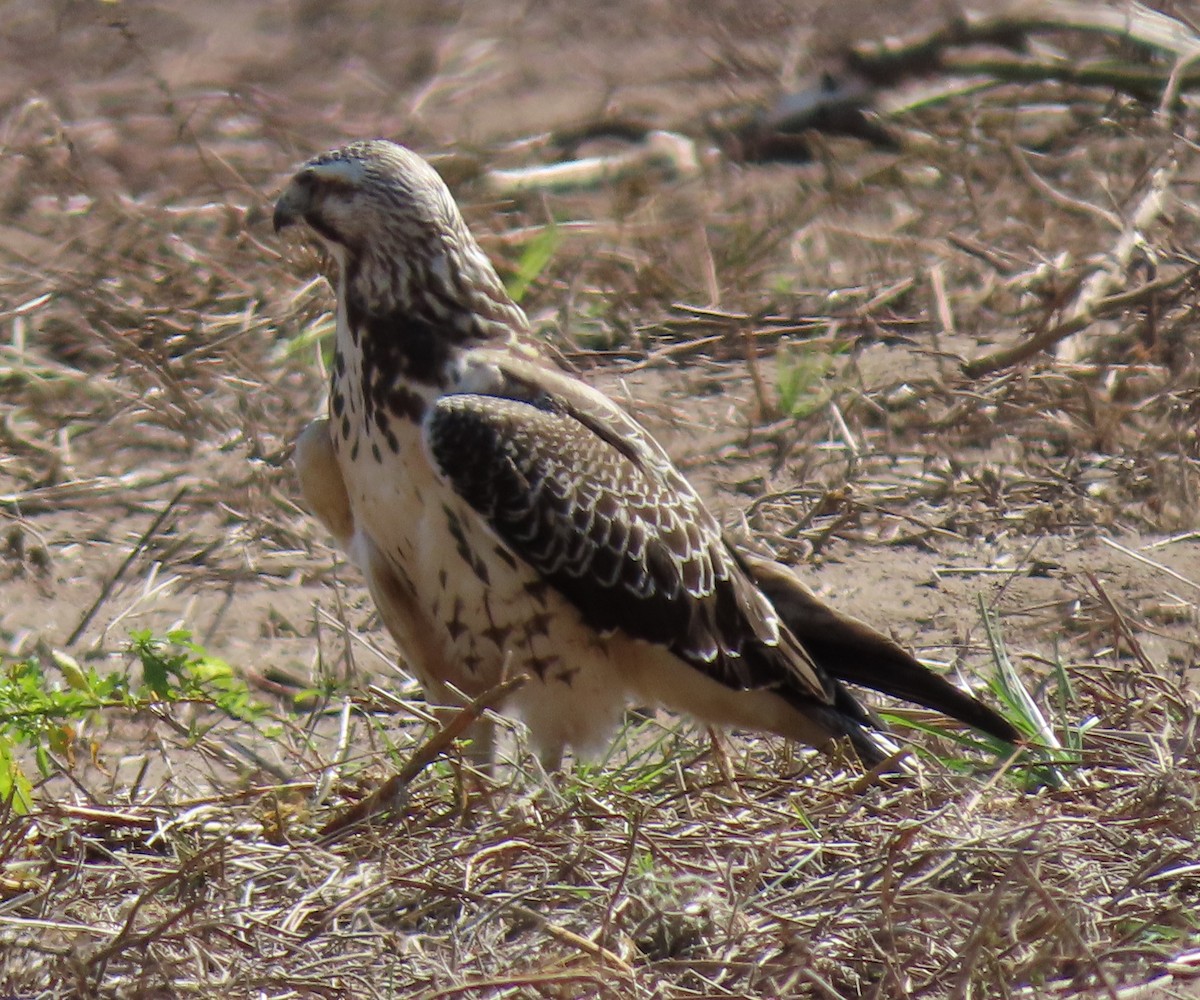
(1096, 296)
(1104, 280)
(885, 61)
(1146, 83)
(847, 102)
(1047, 338)
(663, 150)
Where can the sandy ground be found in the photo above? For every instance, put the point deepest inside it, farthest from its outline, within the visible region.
(142, 137)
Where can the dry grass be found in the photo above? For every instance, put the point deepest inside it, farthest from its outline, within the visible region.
(160, 352)
(672, 872)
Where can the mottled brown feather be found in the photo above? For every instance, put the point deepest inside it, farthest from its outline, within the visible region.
(620, 542)
(440, 398)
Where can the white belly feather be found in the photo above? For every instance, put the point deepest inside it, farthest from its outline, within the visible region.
(465, 611)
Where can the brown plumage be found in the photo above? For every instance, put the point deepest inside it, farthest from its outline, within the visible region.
(508, 517)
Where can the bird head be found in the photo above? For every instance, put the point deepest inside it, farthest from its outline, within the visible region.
(397, 234)
(369, 193)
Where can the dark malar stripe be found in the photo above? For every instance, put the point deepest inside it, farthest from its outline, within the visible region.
(400, 345)
(401, 351)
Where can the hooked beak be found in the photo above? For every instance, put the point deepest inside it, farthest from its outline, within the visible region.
(291, 206)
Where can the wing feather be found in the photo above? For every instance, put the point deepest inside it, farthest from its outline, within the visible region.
(577, 490)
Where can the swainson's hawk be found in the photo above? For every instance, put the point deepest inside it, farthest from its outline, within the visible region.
(507, 516)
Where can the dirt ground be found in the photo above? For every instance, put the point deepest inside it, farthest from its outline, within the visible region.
(161, 350)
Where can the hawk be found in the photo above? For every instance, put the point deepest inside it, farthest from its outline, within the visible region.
(509, 518)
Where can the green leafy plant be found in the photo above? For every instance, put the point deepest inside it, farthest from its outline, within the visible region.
(317, 335)
(538, 253)
(44, 699)
(802, 381)
(1046, 760)
(1050, 759)
(175, 668)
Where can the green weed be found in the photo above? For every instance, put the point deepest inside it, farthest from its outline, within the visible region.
(534, 258)
(46, 698)
(803, 380)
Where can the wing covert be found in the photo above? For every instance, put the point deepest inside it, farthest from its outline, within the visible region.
(613, 535)
(612, 540)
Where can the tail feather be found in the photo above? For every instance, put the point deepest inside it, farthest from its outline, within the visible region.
(853, 652)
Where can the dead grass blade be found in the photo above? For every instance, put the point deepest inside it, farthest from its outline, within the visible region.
(390, 792)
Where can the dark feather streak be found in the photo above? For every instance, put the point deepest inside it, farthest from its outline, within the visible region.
(516, 464)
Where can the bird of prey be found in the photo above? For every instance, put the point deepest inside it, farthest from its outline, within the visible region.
(509, 518)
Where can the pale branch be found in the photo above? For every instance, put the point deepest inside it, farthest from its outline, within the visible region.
(1046, 338)
(1097, 294)
(1105, 280)
(668, 151)
(885, 60)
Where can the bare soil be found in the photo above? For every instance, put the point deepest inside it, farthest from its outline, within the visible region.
(161, 351)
